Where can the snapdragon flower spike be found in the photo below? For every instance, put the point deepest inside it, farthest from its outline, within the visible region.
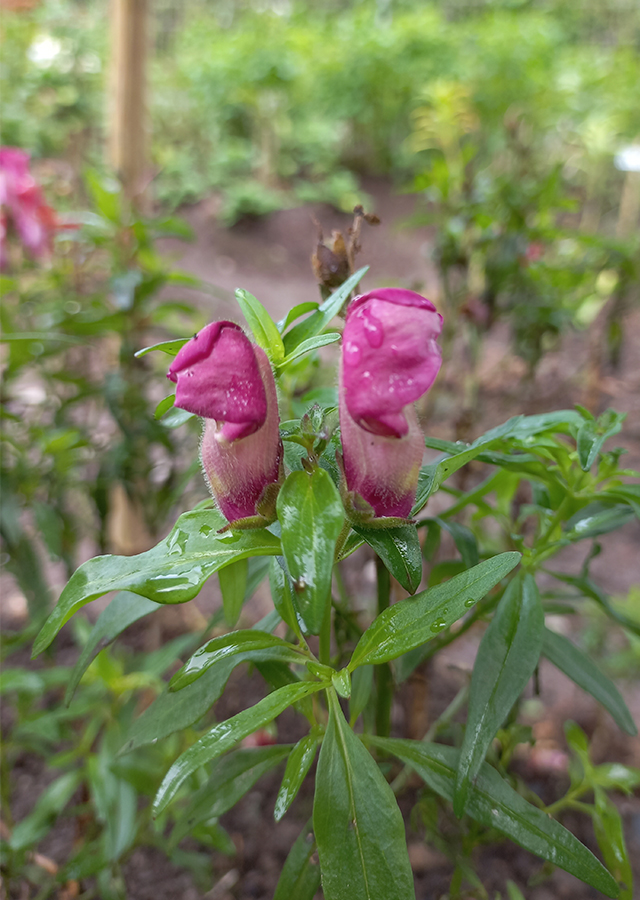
(224, 378)
(390, 358)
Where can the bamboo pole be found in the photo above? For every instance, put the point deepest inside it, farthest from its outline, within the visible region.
(128, 113)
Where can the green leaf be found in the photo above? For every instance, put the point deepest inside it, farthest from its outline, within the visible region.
(581, 669)
(298, 765)
(172, 572)
(507, 657)
(307, 346)
(232, 776)
(170, 347)
(50, 803)
(311, 516)
(295, 312)
(175, 417)
(399, 549)
(124, 610)
(361, 685)
(414, 621)
(164, 406)
(597, 518)
(300, 876)
(609, 830)
(252, 644)
(319, 319)
(358, 826)
(592, 435)
(464, 539)
(494, 803)
(173, 711)
(261, 324)
(224, 735)
(233, 584)
(282, 594)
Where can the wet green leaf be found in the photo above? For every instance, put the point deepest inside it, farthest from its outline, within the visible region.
(506, 659)
(418, 619)
(172, 572)
(224, 735)
(399, 549)
(300, 761)
(311, 516)
(358, 826)
(233, 584)
(494, 803)
(253, 645)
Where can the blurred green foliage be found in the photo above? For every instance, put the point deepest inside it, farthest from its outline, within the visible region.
(281, 102)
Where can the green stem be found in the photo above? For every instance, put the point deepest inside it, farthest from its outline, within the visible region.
(384, 680)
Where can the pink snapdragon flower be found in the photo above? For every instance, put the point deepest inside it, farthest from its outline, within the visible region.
(223, 377)
(23, 206)
(390, 358)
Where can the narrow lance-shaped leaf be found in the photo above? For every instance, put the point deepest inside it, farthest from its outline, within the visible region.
(607, 824)
(582, 671)
(298, 765)
(252, 644)
(311, 516)
(261, 324)
(414, 621)
(314, 343)
(300, 876)
(494, 803)
(399, 549)
(233, 583)
(171, 572)
(358, 826)
(319, 319)
(507, 657)
(224, 735)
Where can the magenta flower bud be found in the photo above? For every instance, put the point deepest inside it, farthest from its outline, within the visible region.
(224, 378)
(390, 358)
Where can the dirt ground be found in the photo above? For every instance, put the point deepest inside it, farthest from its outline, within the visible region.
(270, 258)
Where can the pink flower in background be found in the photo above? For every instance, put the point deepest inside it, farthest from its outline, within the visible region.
(223, 377)
(390, 358)
(23, 206)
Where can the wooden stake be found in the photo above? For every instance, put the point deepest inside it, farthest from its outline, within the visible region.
(128, 113)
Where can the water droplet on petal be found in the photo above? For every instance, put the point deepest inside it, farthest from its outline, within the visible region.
(352, 353)
(372, 328)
